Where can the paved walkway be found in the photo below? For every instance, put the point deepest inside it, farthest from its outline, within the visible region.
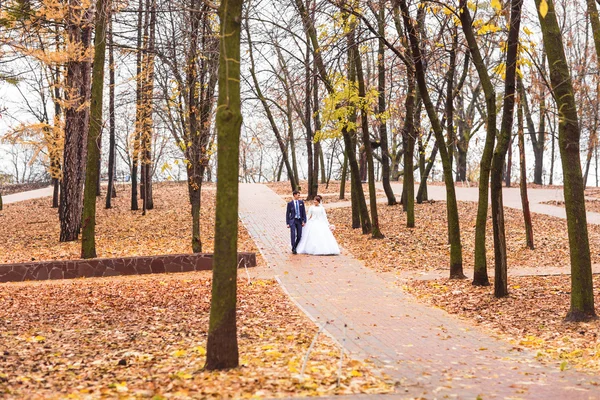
(430, 353)
(31, 194)
(511, 197)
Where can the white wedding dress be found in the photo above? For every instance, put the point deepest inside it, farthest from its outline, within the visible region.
(317, 238)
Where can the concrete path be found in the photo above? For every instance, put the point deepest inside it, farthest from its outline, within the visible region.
(430, 353)
(511, 197)
(31, 194)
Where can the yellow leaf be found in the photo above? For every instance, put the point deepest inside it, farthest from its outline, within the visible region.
(39, 338)
(121, 387)
(496, 5)
(179, 353)
(563, 365)
(543, 8)
(355, 373)
(200, 350)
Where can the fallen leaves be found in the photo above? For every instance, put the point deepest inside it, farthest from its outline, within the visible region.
(592, 205)
(329, 192)
(29, 230)
(145, 336)
(532, 316)
(425, 247)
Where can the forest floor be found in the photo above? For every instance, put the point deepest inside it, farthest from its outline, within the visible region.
(30, 229)
(330, 193)
(145, 337)
(591, 205)
(530, 317)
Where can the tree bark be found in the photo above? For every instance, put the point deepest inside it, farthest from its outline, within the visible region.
(408, 132)
(347, 135)
(344, 177)
(582, 291)
(385, 151)
(77, 116)
(456, 267)
(222, 346)
(110, 191)
(375, 231)
(500, 253)
(523, 179)
(508, 170)
(88, 238)
(480, 275)
(148, 103)
(313, 182)
(537, 138)
(138, 115)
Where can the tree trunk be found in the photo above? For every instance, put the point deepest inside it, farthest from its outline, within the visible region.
(88, 239)
(523, 179)
(292, 142)
(348, 136)
(537, 139)
(582, 290)
(500, 253)
(98, 182)
(193, 147)
(595, 22)
(318, 149)
(138, 105)
(508, 170)
(385, 158)
(147, 104)
(480, 275)
(344, 177)
(282, 145)
(456, 267)
(375, 231)
(408, 132)
(55, 192)
(313, 182)
(110, 191)
(222, 347)
(77, 116)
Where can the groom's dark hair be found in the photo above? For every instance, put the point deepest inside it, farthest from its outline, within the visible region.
(295, 192)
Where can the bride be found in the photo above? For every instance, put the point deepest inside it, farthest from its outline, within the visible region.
(317, 238)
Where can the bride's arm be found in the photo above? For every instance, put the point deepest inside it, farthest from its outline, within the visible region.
(310, 212)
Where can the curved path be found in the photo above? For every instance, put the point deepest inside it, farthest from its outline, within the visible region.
(511, 197)
(428, 352)
(31, 194)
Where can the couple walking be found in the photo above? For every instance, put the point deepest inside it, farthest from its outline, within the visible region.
(310, 232)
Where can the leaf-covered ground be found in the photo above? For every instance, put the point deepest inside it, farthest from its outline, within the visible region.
(330, 193)
(425, 247)
(29, 230)
(532, 316)
(590, 205)
(145, 337)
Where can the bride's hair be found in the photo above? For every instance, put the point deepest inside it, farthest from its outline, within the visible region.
(318, 198)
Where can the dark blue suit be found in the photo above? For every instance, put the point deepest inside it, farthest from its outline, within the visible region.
(295, 218)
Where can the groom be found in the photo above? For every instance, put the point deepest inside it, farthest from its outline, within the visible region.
(295, 217)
